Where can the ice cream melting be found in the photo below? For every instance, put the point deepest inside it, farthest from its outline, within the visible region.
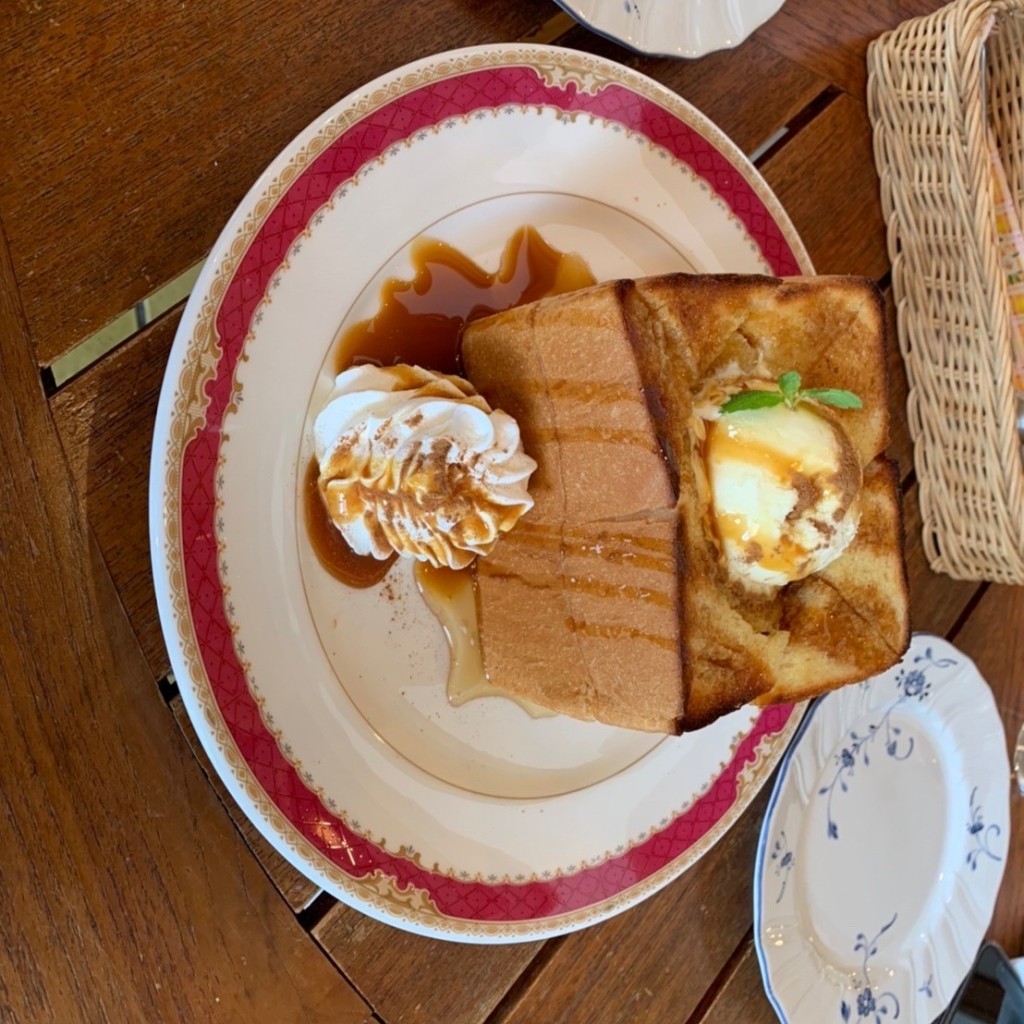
(417, 462)
(784, 486)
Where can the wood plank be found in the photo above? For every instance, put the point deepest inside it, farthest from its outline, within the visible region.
(127, 894)
(741, 996)
(453, 982)
(131, 131)
(712, 85)
(105, 420)
(993, 638)
(657, 960)
(297, 890)
(840, 217)
(832, 39)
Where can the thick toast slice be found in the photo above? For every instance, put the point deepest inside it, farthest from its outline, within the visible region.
(581, 372)
(579, 611)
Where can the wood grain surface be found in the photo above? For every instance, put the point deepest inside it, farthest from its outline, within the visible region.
(840, 219)
(111, 897)
(105, 419)
(740, 996)
(297, 890)
(657, 961)
(130, 890)
(452, 982)
(132, 129)
(717, 91)
(831, 40)
(937, 603)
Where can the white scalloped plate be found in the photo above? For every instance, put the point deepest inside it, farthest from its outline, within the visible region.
(884, 844)
(668, 29)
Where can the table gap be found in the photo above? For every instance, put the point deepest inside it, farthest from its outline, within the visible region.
(725, 975)
(968, 610)
(554, 28)
(803, 117)
(168, 687)
(508, 1002)
(315, 911)
(73, 363)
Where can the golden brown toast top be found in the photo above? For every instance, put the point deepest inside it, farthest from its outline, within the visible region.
(830, 329)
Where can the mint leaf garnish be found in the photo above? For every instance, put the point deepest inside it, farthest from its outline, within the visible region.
(834, 396)
(789, 385)
(752, 400)
(791, 393)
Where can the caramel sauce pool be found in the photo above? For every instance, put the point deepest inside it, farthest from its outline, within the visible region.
(328, 544)
(449, 594)
(420, 321)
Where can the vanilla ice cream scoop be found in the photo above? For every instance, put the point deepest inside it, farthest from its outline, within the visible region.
(784, 486)
(416, 462)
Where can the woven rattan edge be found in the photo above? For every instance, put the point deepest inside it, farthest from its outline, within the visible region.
(930, 87)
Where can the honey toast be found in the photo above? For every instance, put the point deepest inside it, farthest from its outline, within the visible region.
(604, 383)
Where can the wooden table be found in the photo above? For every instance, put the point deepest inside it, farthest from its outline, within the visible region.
(131, 888)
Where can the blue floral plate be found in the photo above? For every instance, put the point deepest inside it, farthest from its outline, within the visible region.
(884, 844)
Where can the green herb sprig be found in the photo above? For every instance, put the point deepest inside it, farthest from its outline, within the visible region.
(792, 394)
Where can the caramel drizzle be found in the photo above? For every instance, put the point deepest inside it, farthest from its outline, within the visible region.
(604, 632)
(591, 435)
(580, 584)
(528, 528)
(743, 449)
(599, 392)
(642, 552)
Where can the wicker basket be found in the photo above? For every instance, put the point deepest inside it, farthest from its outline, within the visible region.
(935, 85)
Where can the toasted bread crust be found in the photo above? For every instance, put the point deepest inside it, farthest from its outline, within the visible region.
(650, 346)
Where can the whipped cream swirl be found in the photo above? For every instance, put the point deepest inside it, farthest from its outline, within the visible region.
(416, 462)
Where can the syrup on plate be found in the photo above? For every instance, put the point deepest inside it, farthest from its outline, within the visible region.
(420, 321)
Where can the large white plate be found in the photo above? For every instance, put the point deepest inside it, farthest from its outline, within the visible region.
(323, 707)
(884, 844)
(672, 28)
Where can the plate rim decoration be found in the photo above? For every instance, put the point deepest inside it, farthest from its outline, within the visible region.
(914, 976)
(217, 684)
